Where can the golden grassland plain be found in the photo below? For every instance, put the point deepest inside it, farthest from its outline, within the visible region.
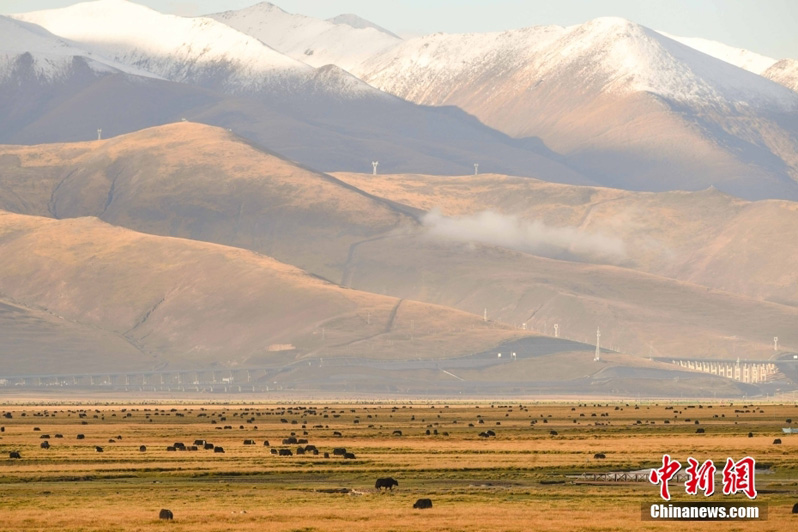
(523, 478)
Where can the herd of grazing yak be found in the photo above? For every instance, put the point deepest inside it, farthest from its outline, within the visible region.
(215, 417)
(324, 422)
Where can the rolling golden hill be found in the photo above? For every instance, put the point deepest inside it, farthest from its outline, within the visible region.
(165, 302)
(199, 182)
(671, 274)
(706, 238)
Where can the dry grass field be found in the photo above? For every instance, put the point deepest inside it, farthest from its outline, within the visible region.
(523, 478)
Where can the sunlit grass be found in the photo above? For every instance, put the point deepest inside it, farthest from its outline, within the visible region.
(523, 478)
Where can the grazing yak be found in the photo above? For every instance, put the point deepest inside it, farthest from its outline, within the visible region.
(166, 514)
(143, 449)
(45, 445)
(339, 451)
(387, 483)
(218, 449)
(98, 448)
(14, 454)
(285, 452)
(349, 456)
(422, 504)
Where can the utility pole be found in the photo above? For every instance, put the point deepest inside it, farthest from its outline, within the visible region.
(598, 346)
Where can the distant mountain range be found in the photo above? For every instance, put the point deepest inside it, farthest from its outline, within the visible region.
(206, 71)
(199, 192)
(608, 102)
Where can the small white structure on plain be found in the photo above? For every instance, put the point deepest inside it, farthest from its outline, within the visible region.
(514, 356)
(775, 343)
(598, 345)
(476, 168)
(556, 330)
(523, 326)
(485, 315)
(99, 134)
(500, 355)
(374, 165)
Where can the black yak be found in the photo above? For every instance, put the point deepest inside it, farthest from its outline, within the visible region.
(387, 483)
(423, 503)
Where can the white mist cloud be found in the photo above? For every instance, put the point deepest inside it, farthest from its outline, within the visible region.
(529, 236)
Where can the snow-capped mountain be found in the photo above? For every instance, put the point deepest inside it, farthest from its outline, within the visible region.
(782, 71)
(191, 50)
(636, 107)
(52, 89)
(322, 117)
(609, 55)
(621, 105)
(46, 56)
(345, 41)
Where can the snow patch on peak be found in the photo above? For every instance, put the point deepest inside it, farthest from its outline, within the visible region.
(47, 56)
(176, 48)
(625, 57)
(265, 7)
(307, 39)
(360, 23)
(739, 57)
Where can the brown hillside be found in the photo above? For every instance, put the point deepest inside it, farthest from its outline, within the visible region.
(706, 238)
(190, 304)
(200, 182)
